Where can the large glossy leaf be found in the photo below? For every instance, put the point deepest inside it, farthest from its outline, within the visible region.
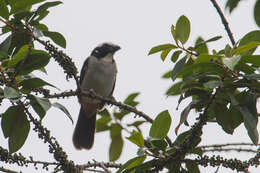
(15, 126)
(223, 117)
(176, 55)
(47, 5)
(11, 93)
(245, 103)
(192, 167)
(183, 29)
(4, 12)
(257, 12)
(253, 59)
(116, 145)
(136, 138)
(31, 83)
(249, 37)
(161, 48)
(102, 123)
(206, 58)
(63, 109)
(178, 67)
(56, 37)
(175, 89)
(23, 51)
(132, 163)
(159, 144)
(17, 6)
(130, 100)
(201, 46)
(165, 53)
(4, 46)
(36, 60)
(246, 47)
(161, 125)
(231, 62)
(40, 105)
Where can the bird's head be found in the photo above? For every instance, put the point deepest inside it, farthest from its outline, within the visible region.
(104, 50)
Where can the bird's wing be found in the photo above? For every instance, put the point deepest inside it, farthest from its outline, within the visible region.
(83, 70)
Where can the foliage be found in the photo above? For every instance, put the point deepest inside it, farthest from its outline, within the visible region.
(223, 87)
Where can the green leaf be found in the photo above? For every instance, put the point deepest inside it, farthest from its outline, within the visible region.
(3, 56)
(252, 76)
(31, 83)
(210, 68)
(116, 146)
(63, 109)
(201, 46)
(36, 60)
(257, 12)
(23, 51)
(232, 4)
(40, 105)
(175, 89)
(161, 125)
(178, 67)
(130, 100)
(223, 117)
(11, 93)
(165, 53)
(231, 62)
(161, 48)
(15, 126)
(183, 29)
(192, 166)
(19, 5)
(176, 55)
(245, 102)
(246, 47)
(159, 144)
(181, 138)
(253, 59)
(4, 12)
(47, 5)
(167, 75)
(206, 58)
(174, 34)
(56, 37)
(41, 16)
(249, 37)
(136, 138)
(102, 124)
(132, 163)
(212, 84)
(4, 46)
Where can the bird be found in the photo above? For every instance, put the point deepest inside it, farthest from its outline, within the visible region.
(98, 74)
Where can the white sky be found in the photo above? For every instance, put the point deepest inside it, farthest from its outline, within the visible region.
(136, 26)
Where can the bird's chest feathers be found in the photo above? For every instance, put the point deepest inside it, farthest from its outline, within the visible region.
(100, 76)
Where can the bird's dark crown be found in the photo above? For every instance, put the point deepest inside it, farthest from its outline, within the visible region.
(104, 49)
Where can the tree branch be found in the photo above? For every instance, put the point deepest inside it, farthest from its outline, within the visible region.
(224, 21)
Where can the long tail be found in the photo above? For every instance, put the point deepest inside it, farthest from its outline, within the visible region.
(84, 132)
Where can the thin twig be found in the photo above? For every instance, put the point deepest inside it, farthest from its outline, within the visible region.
(226, 145)
(8, 170)
(229, 149)
(224, 21)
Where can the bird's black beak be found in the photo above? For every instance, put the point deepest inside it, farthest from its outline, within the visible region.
(116, 48)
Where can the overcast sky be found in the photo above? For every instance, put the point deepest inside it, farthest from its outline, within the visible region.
(135, 25)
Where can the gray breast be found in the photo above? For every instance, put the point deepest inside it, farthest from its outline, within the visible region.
(99, 76)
